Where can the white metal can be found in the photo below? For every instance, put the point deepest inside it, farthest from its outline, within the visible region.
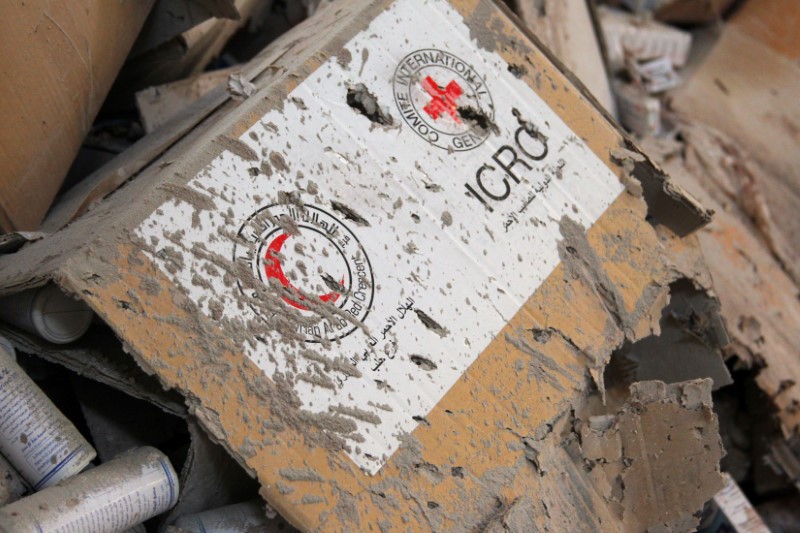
(111, 498)
(236, 518)
(12, 486)
(35, 437)
(47, 312)
(6, 345)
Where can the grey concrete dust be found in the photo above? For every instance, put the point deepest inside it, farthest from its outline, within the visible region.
(365, 103)
(430, 323)
(237, 147)
(349, 213)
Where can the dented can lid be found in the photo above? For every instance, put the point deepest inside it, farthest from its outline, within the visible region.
(59, 318)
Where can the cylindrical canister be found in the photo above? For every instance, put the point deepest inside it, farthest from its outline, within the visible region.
(111, 498)
(12, 486)
(47, 312)
(6, 345)
(35, 437)
(236, 518)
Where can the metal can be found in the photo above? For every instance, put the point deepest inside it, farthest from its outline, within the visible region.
(111, 498)
(47, 312)
(12, 486)
(35, 437)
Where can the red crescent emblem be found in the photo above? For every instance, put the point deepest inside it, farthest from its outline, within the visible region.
(273, 269)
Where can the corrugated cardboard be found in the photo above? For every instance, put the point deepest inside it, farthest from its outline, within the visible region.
(746, 88)
(160, 104)
(764, 319)
(567, 29)
(512, 302)
(627, 35)
(61, 60)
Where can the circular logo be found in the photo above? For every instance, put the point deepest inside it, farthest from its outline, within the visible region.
(317, 260)
(443, 99)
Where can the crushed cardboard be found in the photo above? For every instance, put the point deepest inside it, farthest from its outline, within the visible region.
(567, 28)
(631, 36)
(158, 105)
(762, 320)
(71, 57)
(746, 88)
(482, 443)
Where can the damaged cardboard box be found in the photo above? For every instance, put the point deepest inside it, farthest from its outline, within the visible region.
(746, 88)
(737, 119)
(568, 28)
(630, 36)
(390, 280)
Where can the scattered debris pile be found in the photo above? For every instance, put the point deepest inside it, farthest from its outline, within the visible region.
(393, 264)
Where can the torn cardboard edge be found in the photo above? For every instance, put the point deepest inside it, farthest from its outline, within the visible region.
(158, 105)
(170, 18)
(667, 202)
(322, 495)
(100, 356)
(148, 150)
(11, 242)
(103, 182)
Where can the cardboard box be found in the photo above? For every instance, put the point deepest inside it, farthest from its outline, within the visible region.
(568, 29)
(389, 282)
(638, 111)
(758, 295)
(746, 88)
(639, 38)
(59, 63)
(731, 511)
(160, 104)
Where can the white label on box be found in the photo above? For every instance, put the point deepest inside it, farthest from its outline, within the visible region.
(428, 234)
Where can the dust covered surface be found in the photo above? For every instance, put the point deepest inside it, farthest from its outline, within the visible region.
(658, 455)
(512, 425)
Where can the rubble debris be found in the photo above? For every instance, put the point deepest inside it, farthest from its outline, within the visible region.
(639, 38)
(158, 105)
(239, 87)
(184, 55)
(239, 517)
(210, 478)
(170, 18)
(682, 11)
(270, 281)
(689, 343)
(762, 320)
(660, 431)
(731, 511)
(567, 28)
(745, 89)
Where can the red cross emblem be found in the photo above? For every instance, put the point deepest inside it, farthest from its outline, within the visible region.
(442, 100)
